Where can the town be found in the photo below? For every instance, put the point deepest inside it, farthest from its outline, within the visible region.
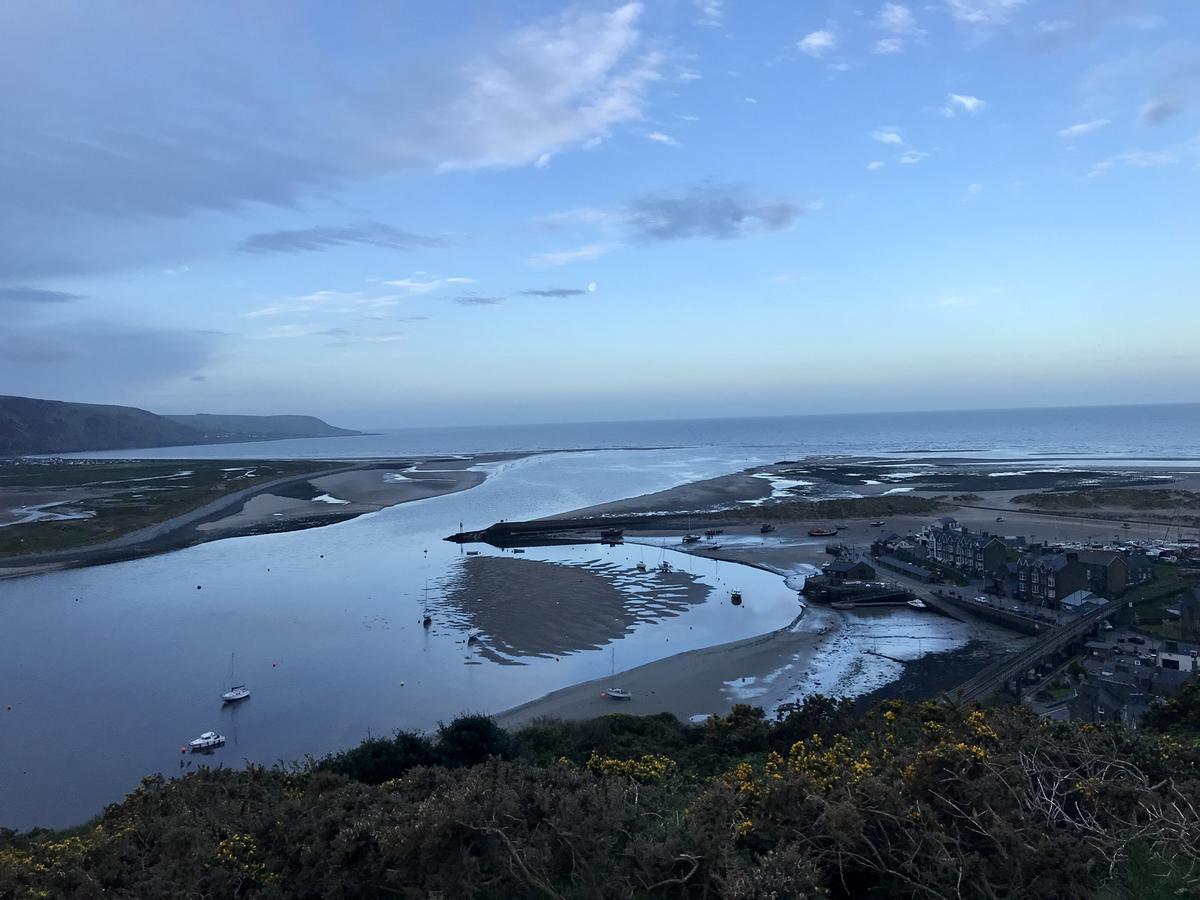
(1102, 630)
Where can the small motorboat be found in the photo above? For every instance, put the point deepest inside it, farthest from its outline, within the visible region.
(917, 604)
(612, 534)
(517, 550)
(614, 693)
(735, 597)
(1126, 525)
(766, 529)
(999, 518)
(207, 741)
(664, 566)
(472, 553)
(236, 693)
(691, 538)
(641, 566)
(822, 532)
(713, 532)
(877, 524)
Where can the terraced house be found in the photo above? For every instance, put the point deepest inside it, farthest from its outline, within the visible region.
(973, 554)
(1046, 578)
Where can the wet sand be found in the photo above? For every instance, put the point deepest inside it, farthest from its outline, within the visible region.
(689, 684)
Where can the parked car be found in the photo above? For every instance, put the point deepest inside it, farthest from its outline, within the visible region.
(1137, 640)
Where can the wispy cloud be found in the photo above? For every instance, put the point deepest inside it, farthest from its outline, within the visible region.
(659, 138)
(1083, 128)
(1134, 159)
(303, 240)
(558, 293)
(416, 286)
(887, 135)
(955, 300)
(912, 157)
(972, 191)
(478, 300)
(817, 43)
(719, 211)
(898, 20)
(333, 302)
(35, 295)
(712, 12)
(956, 103)
(1157, 111)
(875, 165)
(983, 12)
(566, 257)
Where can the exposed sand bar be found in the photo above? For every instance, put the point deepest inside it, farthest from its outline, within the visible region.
(695, 683)
(283, 504)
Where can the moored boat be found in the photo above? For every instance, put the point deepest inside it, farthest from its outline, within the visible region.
(612, 534)
(735, 597)
(691, 538)
(822, 532)
(766, 529)
(207, 741)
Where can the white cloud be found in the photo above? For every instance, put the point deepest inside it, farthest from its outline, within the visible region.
(337, 302)
(593, 142)
(582, 217)
(1083, 128)
(983, 12)
(874, 166)
(543, 161)
(912, 157)
(956, 300)
(887, 136)
(1134, 159)
(689, 75)
(817, 43)
(898, 19)
(592, 287)
(712, 12)
(973, 191)
(659, 138)
(566, 257)
(749, 100)
(889, 45)
(815, 205)
(964, 102)
(413, 286)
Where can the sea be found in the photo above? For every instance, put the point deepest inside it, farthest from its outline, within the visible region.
(106, 672)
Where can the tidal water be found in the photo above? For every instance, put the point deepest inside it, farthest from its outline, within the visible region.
(105, 672)
(1161, 433)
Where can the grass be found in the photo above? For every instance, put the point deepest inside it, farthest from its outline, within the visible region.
(126, 496)
(1110, 498)
(1151, 600)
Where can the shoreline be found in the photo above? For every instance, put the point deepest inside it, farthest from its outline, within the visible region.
(276, 506)
(696, 676)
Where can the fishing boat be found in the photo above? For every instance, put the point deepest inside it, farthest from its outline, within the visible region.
(735, 597)
(766, 529)
(236, 690)
(207, 741)
(612, 534)
(641, 566)
(822, 532)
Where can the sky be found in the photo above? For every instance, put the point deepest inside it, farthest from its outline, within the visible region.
(393, 214)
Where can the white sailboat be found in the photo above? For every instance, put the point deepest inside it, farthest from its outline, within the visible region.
(236, 691)
(616, 693)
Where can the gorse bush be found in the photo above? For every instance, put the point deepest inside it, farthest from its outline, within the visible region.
(908, 800)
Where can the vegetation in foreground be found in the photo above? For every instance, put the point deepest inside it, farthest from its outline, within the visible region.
(910, 800)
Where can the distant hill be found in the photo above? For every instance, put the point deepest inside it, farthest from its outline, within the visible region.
(31, 426)
(258, 428)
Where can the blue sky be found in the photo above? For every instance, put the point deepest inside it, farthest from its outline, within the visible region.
(456, 213)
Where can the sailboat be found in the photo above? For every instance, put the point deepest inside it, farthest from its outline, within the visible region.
(236, 691)
(426, 618)
(616, 693)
